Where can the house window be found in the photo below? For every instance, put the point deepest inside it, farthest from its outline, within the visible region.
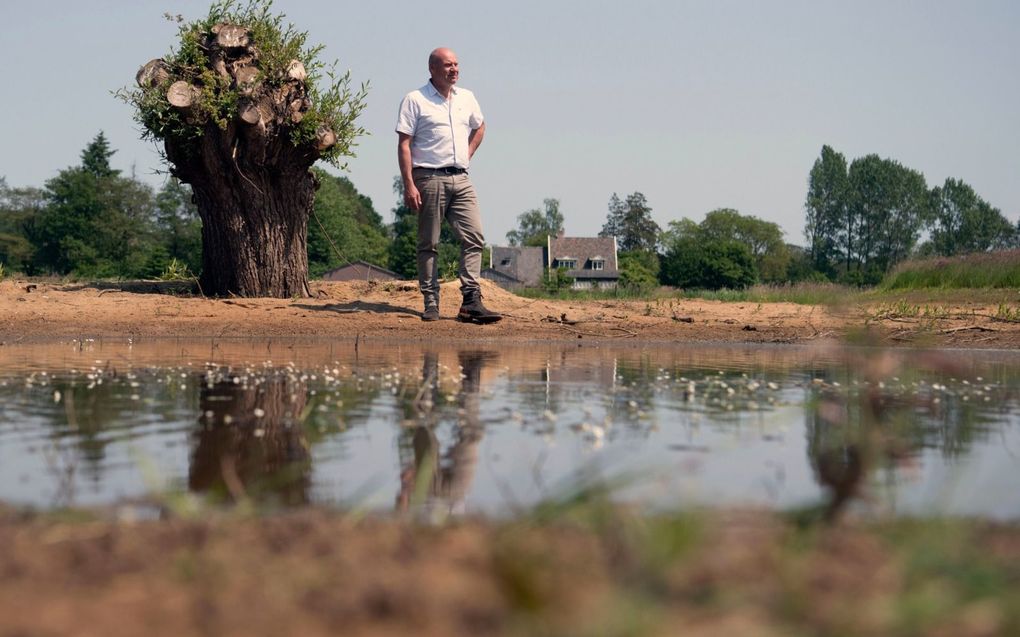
(598, 264)
(566, 264)
(505, 261)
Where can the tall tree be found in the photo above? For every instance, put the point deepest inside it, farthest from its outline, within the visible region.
(764, 239)
(863, 219)
(95, 223)
(95, 159)
(828, 227)
(242, 119)
(630, 221)
(535, 226)
(891, 203)
(963, 222)
(706, 255)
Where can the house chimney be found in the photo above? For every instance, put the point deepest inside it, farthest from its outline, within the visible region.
(560, 233)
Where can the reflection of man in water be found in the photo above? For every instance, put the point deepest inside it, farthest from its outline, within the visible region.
(444, 481)
(249, 443)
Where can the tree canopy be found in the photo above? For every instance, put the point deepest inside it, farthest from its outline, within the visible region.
(707, 256)
(630, 221)
(764, 239)
(863, 219)
(963, 222)
(535, 226)
(345, 227)
(95, 222)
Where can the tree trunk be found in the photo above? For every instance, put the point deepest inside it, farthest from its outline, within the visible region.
(254, 217)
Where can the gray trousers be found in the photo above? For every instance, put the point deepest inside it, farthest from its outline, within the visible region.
(450, 197)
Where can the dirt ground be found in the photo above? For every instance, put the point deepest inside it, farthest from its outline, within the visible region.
(315, 573)
(44, 311)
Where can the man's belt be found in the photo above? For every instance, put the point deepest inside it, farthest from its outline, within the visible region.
(445, 170)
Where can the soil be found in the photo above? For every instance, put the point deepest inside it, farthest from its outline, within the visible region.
(315, 572)
(35, 311)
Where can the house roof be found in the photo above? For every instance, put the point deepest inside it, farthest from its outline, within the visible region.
(361, 266)
(583, 250)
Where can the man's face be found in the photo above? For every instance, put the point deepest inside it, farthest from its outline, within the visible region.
(445, 70)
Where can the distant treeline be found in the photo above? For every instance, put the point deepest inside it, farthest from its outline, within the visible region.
(92, 221)
(862, 219)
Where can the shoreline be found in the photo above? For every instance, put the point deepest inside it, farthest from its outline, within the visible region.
(44, 312)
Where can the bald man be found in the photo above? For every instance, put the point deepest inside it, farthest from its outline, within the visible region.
(439, 127)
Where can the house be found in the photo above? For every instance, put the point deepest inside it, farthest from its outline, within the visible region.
(516, 266)
(360, 271)
(590, 261)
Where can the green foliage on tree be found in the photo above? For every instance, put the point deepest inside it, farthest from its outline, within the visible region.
(827, 206)
(696, 260)
(864, 219)
(534, 227)
(96, 223)
(19, 208)
(891, 202)
(639, 270)
(963, 222)
(763, 238)
(630, 221)
(332, 105)
(350, 227)
(180, 229)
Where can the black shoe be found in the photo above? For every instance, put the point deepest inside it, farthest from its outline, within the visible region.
(472, 311)
(431, 313)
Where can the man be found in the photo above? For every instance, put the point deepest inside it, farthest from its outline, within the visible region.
(440, 127)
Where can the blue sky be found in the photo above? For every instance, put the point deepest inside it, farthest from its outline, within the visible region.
(698, 105)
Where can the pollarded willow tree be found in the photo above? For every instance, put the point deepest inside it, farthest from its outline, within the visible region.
(241, 115)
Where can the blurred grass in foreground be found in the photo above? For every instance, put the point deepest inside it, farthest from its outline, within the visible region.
(582, 565)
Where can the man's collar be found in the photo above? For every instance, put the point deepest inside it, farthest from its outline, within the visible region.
(431, 89)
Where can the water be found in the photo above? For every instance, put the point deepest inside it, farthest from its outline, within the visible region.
(496, 428)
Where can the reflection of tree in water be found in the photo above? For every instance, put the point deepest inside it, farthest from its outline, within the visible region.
(251, 442)
(885, 422)
(429, 477)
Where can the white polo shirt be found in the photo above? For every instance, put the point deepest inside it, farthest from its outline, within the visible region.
(439, 128)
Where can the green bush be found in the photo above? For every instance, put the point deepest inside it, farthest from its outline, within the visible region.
(708, 265)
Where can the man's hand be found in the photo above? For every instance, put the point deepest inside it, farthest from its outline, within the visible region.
(412, 198)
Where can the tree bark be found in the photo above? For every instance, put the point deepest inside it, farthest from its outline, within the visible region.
(254, 218)
(153, 73)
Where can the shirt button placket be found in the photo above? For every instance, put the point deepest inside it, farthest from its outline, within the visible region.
(453, 136)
